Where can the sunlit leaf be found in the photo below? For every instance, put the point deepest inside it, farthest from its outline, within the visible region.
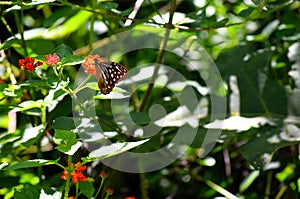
(114, 149)
(56, 95)
(30, 135)
(30, 163)
(72, 60)
(66, 141)
(30, 107)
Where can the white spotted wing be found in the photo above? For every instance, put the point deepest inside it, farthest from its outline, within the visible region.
(109, 73)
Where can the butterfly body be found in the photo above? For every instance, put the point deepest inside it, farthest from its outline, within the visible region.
(109, 74)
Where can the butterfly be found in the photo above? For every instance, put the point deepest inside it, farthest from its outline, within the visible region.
(109, 74)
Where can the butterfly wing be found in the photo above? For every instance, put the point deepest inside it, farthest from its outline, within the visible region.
(109, 73)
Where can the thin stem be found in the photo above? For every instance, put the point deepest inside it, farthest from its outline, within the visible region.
(159, 57)
(100, 187)
(81, 85)
(268, 185)
(220, 189)
(92, 22)
(67, 187)
(20, 26)
(7, 26)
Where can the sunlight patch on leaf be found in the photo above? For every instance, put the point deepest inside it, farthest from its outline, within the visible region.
(114, 149)
(239, 123)
(56, 95)
(31, 135)
(55, 195)
(74, 148)
(184, 115)
(30, 107)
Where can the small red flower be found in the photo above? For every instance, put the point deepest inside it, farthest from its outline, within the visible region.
(129, 197)
(51, 60)
(103, 174)
(76, 174)
(28, 63)
(109, 191)
(89, 64)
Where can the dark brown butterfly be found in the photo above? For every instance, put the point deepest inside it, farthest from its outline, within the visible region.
(109, 74)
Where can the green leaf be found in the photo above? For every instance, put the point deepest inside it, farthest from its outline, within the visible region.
(108, 5)
(140, 118)
(28, 5)
(26, 193)
(11, 42)
(72, 60)
(247, 12)
(56, 95)
(92, 85)
(29, 191)
(266, 143)
(71, 25)
(63, 51)
(11, 92)
(87, 188)
(69, 150)
(64, 123)
(127, 12)
(30, 135)
(220, 23)
(64, 137)
(66, 141)
(34, 83)
(30, 107)
(35, 45)
(113, 149)
(257, 2)
(30, 164)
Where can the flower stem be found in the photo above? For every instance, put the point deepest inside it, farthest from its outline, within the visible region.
(100, 187)
(68, 169)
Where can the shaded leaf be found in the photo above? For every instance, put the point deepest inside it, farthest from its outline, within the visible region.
(266, 143)
(87, 188)
(64, 123)
(63, 51)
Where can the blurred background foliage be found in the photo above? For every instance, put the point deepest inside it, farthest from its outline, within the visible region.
(255, 45)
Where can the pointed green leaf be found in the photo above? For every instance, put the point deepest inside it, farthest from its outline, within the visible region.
(87, 188)
(30, 163)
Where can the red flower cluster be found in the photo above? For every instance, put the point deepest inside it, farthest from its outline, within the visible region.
(51, 60)
(89, 64)
(76, 174)
(28, 63)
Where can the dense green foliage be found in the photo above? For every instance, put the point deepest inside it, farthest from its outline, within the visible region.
(248, 108)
